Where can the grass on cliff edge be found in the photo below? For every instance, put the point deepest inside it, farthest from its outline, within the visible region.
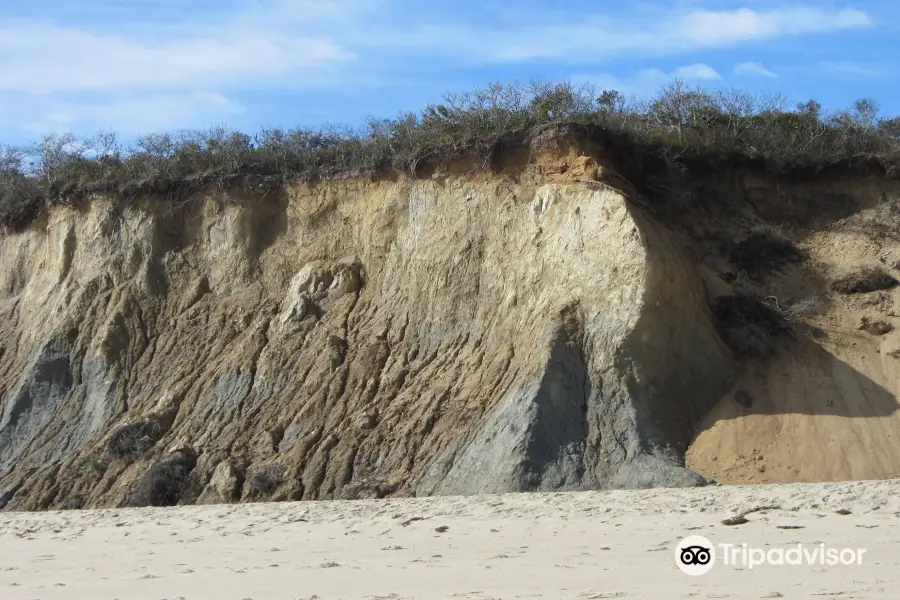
(681, 127)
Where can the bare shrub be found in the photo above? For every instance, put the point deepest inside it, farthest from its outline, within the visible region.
(864, 280)
(750, 327)
(93, 465)
(133, 439)
(792, 309)
(890, 127)
(368, 489)
(764, 252)
(163, 483)
(264, 479)
(679, 128)
(20, 196)
(875, 327)
(72, 502)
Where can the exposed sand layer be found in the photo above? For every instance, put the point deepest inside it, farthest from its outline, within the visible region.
(618, 544)
(546, 326)
(352, 340)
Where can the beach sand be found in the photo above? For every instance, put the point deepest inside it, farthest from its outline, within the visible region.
(617, 544)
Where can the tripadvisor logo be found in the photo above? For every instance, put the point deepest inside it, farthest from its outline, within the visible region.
(696, 555)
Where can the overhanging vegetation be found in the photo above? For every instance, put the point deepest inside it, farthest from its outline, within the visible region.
(680, 126)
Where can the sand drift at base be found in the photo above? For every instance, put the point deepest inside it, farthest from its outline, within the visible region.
(574, 545)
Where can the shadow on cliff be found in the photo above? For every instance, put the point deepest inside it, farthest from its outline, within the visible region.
(805, 380)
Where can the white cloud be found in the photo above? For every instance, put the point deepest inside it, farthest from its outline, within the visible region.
(139, 76)
(131, 114)
(753, 69)
(44, 58)
(697, 71)
(847, 67)
(598, 38)
(290, 41)
(726, 27)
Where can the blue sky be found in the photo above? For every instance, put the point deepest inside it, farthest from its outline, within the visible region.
(139, 66)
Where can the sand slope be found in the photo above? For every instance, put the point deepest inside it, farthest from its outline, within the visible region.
(826, 409)
(577, 545)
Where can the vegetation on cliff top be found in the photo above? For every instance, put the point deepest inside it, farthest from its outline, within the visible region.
(679, 127)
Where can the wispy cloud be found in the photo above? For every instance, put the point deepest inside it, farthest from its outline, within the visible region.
(753, 69)
(847, 67)
(134, 114)
(697, 71)
(138, 77)
(272, 41)
(646, 81)
(163, 64)
(727, 27)
(42, 58)
(599, 38)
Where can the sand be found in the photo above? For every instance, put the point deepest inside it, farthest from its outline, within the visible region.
(575, 545)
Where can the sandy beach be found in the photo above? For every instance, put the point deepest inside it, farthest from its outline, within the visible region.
(578, 545)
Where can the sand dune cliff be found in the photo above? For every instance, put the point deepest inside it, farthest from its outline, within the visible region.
(539, 328)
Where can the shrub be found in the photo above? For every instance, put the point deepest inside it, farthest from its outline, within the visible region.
(20, 196)
(678, 128)
(163, 483)
(875, 327)
(764, 253)
(751, 327)
(264, 478)
(864, 280)
(72, 502)
(792, 310)
(93, 464)
(133, 439)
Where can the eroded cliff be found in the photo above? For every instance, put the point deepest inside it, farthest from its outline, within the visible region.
(460, 333)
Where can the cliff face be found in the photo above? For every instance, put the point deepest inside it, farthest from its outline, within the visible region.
(456, 334)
